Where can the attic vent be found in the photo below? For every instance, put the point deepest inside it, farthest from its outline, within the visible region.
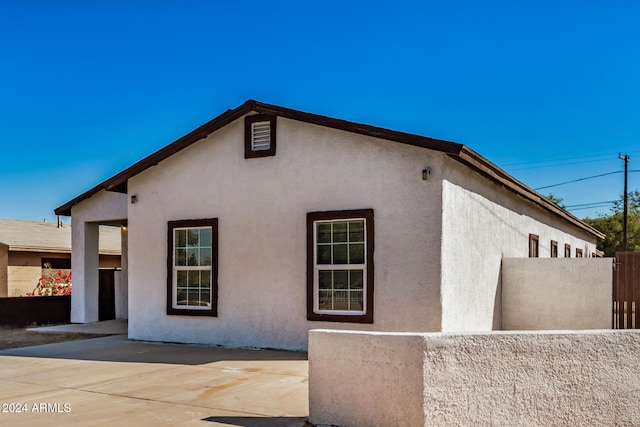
(260, 136)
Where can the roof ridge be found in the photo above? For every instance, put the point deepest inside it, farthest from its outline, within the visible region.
(455, 150)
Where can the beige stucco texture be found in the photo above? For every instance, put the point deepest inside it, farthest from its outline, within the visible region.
(556, 293)
(499, 378)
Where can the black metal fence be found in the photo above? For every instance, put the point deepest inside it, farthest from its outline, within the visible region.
(31, 311)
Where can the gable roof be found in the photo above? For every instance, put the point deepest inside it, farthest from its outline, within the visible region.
(457, 151)
(34, 236)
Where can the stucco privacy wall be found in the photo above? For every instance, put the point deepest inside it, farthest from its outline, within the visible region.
(24, 271)
(498, 378)
(86, 217)
(261, 206)
(556, 293)
(483, 223)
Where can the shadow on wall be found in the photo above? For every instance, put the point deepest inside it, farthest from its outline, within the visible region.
(497, 303)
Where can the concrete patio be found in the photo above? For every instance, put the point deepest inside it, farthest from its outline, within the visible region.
(114, 381)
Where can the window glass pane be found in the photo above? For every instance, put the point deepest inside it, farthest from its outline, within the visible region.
(205, 279)
(205, 237)
(180, 238)
(339, 231)
(182, 278)
(194, 278)
(194, 297)
(356, 253)
(324, 232)
(182, 297)
(325, 279)
(205, 256)
(192, 237)
(181, 257)
(341, 279)
(205, 298)
(325, 300)
(192, 256)
(341, 300)
(340, 254)
(356, 279)
(356, 231)
(324, 254)
(355, 301)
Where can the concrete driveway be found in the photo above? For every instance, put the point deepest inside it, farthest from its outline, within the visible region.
(112, 381)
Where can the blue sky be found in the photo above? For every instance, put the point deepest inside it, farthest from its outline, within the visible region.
(547, 90)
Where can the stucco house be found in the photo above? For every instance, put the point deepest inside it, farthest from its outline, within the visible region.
(267, 222)
(27, 248)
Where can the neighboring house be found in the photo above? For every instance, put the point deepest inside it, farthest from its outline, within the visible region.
(267, 222)
(28, 247)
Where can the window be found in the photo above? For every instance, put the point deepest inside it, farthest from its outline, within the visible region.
(554, 249)
(567, 250)
(533, 245)
(578, 253)
(259, 136)
(57, 263)
(192, 267)
(340, 266)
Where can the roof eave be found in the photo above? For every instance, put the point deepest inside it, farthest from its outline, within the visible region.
(490, 170)
(119, 181)
(457, 151)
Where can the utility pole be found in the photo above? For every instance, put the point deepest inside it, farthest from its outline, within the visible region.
(626, 160)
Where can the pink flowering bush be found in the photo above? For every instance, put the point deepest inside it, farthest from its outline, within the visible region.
(52, 284)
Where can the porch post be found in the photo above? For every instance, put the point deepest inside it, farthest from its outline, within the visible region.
(84, 264)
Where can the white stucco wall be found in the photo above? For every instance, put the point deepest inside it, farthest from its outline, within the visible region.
(482, 224)
(86, 216)
(498, 378)
(558, 293)
(261, 205)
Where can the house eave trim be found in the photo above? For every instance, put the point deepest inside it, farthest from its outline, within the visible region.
(457, 151)
(483, 166)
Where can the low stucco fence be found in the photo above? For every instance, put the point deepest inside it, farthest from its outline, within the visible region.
(28, 311)
(495, 378)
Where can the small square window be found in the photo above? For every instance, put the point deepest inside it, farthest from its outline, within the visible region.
(567, 250)
(578, 253)
(554, 249)
(259, 136)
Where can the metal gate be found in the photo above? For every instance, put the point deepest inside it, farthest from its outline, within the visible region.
(626, 290)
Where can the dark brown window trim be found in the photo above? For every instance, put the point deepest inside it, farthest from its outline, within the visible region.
(554, 249)
(367, 214)
(248, 120)
(208, 222)
(534, 239)
(578, 253)
(567, 250)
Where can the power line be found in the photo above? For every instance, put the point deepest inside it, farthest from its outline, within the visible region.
(556, 164)
(594, 204)
(577, 180)
(527, 162)
(563, 161)
(583, 179)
